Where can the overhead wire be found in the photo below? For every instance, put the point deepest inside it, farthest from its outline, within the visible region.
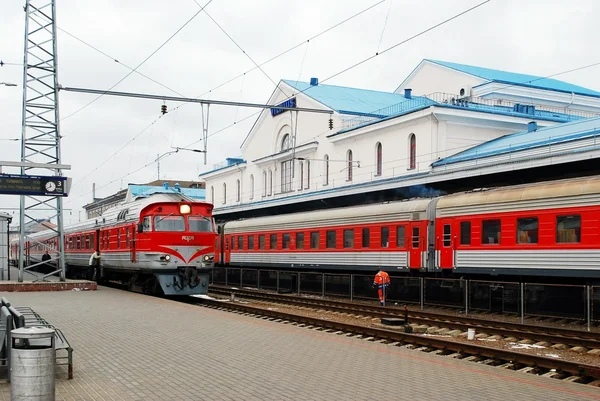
(143, 62)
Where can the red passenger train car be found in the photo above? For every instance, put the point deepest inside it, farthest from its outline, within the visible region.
(548, 228)
(163, 241)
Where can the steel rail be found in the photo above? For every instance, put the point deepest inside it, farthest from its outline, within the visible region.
(573, 368)
(540, 333)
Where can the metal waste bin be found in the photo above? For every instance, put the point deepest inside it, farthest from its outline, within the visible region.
(33, 357)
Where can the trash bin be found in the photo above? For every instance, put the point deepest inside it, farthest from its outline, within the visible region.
(33, 357)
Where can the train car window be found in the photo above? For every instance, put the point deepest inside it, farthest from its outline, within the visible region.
(314, 240)
(465, 233)
(330, 239)
(240, 242)
(127, 237)
(273, 241)
(527, 230)
(118, 238)
(78, 242)
(146, 224)
(348, 238)
(568, 229)
(251, 242)
(415, 237)
(92, 243)
(169, 223)
(261, 242)
(285, 241)
(385, 237)
(400, 234)
(200, 224)
(366, 238)
(299, 240)
(490, 232)
(232, 242)
(447, 235)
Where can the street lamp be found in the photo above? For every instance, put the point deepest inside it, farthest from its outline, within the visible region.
(7, 84)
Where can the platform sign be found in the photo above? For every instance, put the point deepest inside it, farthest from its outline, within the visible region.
(11, 184)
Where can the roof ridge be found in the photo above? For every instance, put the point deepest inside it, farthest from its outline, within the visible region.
(340, 86)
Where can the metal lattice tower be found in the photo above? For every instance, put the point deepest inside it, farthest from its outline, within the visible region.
(40, 136)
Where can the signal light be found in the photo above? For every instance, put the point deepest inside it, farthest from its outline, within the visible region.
(331, 123)
(163, 109)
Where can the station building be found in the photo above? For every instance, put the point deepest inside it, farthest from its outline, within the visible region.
(445, 123)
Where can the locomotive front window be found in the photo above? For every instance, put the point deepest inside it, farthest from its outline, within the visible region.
(200, 224)
(169, 223)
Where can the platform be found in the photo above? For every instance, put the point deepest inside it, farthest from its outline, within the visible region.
(52, 283)
(133, 347)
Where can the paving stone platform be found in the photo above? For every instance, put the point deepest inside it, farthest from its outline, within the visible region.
(51, 283)
(134, 347)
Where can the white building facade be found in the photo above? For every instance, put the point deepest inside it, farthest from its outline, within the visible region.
(439, 110)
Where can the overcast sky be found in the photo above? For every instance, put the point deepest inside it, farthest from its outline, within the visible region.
(539, 37)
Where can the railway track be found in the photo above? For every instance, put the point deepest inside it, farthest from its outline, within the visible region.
(524, 362)
(552, 335)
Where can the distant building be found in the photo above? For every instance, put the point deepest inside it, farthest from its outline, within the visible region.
(193, 189)
(31, 227)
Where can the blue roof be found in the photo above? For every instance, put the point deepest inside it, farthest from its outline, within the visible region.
(147, 190)
(347, 100)
(230, 161)
(513, 78)
(511, 143)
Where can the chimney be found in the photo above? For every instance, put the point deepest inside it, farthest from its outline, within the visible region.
(93, 192)
(408, 93)
(177, 188)
(314, 81)
(532, 126)
(166, 185)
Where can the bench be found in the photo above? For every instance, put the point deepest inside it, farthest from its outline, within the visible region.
(17, 317)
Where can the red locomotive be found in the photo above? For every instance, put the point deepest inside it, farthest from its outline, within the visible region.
(549, 228)
(163, 241)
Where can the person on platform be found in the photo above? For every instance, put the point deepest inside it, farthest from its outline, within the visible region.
(94, 266)
(382, 281)
(46, 266)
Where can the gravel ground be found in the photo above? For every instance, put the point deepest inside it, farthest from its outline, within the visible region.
(501, 342)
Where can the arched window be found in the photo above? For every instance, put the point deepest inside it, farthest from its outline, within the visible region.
(412, 151)
(224, 193)
(264, 192)
(238, 191)
(301, 175)
(251, 186)
(378, 158)
(212, 195)
(349, 159)
(326, 177)
(285, 142)
(270, 182)
(308, 174)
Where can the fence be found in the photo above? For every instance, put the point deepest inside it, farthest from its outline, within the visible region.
(522, 299)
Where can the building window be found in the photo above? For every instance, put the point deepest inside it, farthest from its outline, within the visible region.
(412, 151)
(251, 186)
(349, 160)
(385, 237)
(212, 195)
(299, 240)
(314, 240)
(273, 241)
(270, 183)
(378, 159)
(527, 230)
(285, 241)
(348, 238)
(224, 193)
(301, 175)
(326, 175)
(285, 142)
(568, 229)
(400, 235)
(286, 176)
(330, 239)
(465, 233)
(308, 174)
(238, 190)
(264, 193)
(366, 238)
(490, 232)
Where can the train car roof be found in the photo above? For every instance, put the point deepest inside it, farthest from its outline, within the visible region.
(525, 192)
(381, 212)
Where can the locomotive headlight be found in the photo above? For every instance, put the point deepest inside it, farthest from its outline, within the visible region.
(165, 258)
(208, 258)
(185, 209)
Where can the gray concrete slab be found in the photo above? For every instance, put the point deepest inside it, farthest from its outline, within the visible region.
(133, 347)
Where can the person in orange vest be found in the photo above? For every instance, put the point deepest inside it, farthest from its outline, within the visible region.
(382, 281)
